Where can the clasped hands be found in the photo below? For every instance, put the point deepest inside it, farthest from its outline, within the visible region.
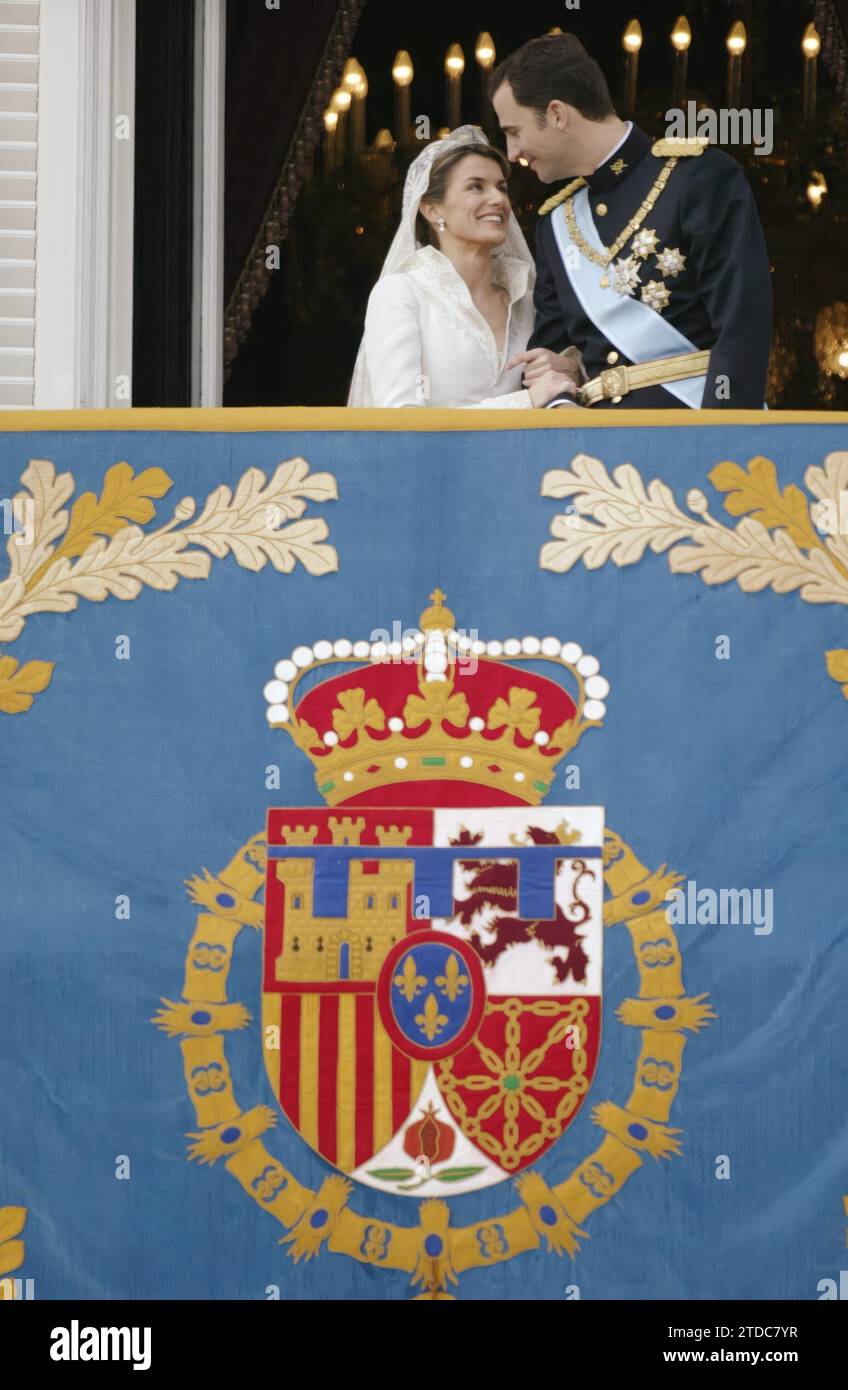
(548, 374)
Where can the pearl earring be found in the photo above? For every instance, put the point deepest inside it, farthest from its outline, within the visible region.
(441, 224)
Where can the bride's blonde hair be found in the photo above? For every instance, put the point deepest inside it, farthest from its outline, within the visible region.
(440, 174)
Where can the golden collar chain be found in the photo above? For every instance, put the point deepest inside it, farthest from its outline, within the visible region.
(607, 256)
(560, 197)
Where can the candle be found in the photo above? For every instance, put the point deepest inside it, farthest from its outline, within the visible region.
(816, 189)
(737, 41)
(354, 82)
(631, 42)
(350, 75)
(681, 37)
(360, 92)
(454, 68)
(402, 74)
(810, 47)
(484, 52)
(340, 103)
(331, 121)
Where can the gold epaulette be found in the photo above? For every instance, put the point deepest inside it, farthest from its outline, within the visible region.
(557, 198)
(675, 147)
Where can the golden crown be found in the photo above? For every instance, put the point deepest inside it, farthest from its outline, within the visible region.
(436, 706)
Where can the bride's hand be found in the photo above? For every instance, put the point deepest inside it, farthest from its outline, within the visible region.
(541, 360)
(548, 385)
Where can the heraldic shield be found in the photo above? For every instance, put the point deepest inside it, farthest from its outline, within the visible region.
(433, 938)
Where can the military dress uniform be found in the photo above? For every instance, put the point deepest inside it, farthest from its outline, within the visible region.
(677, 234)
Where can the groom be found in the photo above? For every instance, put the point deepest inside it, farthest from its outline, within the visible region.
(651, 261)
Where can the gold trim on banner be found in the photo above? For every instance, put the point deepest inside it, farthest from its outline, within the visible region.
(548, 1216)
(273, 419)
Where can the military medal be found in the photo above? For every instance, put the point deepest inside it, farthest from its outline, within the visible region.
(670, 261)
(626, 275)
(644, 243)
(656, 295)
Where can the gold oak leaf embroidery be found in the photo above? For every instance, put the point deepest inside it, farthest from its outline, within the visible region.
(18, 684)
(837, 668)
(757, 494)
(125, 498)
(99, 550)
(12, 1251)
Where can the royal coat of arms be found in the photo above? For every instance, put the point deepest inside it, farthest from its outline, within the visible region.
(433, 937)
(432, 972)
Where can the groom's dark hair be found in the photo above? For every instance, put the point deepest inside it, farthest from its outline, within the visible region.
(555, 67)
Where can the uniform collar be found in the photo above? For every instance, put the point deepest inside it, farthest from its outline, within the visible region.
(621, 162)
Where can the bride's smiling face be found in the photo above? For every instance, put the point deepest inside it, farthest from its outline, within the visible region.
(476, 204)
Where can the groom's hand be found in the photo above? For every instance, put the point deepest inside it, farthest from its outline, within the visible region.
(539, 361)
(549, 387)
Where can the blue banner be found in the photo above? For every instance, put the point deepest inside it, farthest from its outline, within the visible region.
(531, 636)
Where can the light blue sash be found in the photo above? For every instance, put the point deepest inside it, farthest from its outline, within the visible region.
(638, 331)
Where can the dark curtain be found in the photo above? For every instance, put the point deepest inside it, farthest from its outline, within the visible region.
(162, 284)
(272, 56)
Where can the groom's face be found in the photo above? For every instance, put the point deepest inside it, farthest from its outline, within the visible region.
(543, 141)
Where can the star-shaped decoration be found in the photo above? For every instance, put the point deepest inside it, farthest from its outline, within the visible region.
(656, 295)
(644, 243)
(619, 167)
(671, 261)
(625, 275)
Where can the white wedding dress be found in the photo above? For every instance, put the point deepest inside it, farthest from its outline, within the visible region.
(426, 342)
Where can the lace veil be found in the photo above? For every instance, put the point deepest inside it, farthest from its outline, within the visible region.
(405, 245)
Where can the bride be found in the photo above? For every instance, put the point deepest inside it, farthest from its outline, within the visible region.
(453, 307)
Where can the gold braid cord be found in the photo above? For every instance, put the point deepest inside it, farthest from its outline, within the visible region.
(609, 254)
(560, 197)
(553, 1216)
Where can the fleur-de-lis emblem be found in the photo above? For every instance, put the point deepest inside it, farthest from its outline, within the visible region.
(436, 702)
(356, 712)
(409, 982)
(516, 713)
(453, 982)
(431, 1022)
